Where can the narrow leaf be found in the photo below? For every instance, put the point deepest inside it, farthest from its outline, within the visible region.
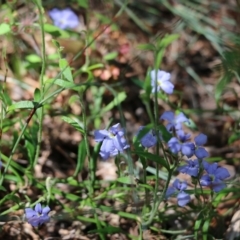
(75, 123)
(117, 100)
(153, 157)
(23, 105)
(66, 70)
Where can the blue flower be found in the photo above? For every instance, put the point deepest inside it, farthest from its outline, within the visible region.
(149, 139)
(191, 168)
(174, 122)
(113, 141)
(179, 144)
(179, 187)
(163, 81)
(64, 18)
(200, 151)
(214, 177)
(38, 216)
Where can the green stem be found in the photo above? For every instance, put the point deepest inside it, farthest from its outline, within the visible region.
(92, 163)
(158, 201)
(41, 110)
(155, 197)
(147, 105)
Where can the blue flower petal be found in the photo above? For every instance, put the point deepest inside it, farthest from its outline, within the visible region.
(218, 185)
(222, 173)
(168, 116)
(99, 135)
(174, 145)
(187, 149)
(201, 139)
(183, 199)
(29, 212)
(180, 118)
(182, 186)
(167, 87)
(170, 191)
(46, 210)
(149, 140)
(176, 183)
(192, 168)
(212, 168)
(38, 208)
(104, 155)
(205, 180)
(201, 153)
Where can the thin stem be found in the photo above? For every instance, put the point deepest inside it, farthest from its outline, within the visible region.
(147, 105)
(41, 110)
(160, 199)
(155, 201)
(92, 163)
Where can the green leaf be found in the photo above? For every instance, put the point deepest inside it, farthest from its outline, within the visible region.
(221, 85)
(4, 28)
(37, 95)
(95, 66)
(110, 56)
(2, 188)
(30, 147)
(129, 215)
(126, 180)
(13, 198)
(56, 43)
(6, 98)
(33, 58)
(75, 123)
(167, 40)
(165, 133)
(107, 230)
(161, 174)
(147, 87)
(147, 46)
(23, 105)
(55, 31)
(68, 196)
(116, 101)
(82, 153)
(153, 157)
(137, 82)
(66, 70)
(64, 84)
(83, 3)
(234, 137)
(205, 229)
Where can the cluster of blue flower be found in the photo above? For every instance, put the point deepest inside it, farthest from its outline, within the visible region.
(210, 175)
(114, 142)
